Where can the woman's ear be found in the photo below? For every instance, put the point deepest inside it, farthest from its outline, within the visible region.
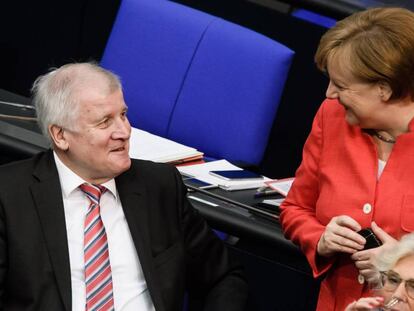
(385, 91)
(58, 137)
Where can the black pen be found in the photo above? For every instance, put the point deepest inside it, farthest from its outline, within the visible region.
(265, 193)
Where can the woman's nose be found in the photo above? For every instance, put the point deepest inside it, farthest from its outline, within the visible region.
(331, 91)
(400, 292)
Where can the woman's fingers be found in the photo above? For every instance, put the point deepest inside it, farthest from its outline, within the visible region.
(361, 265)
(366, 303)
(339, 236)
(345, 243)
(342, 231)
(347, 228)
(347, 221)
(347, 237)
(381, 234)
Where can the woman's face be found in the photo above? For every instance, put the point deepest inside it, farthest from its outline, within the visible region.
(363, 102)
(403, 270)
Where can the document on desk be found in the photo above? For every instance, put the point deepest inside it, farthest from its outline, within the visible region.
(281, 185)
(201, 172)
(147, 146)
(275, 202)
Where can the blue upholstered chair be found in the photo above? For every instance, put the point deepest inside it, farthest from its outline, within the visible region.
(197, 79)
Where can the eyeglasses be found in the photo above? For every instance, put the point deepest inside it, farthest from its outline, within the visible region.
(390, 281)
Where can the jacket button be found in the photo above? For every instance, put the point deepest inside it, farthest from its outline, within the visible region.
(361, 279)
(367, 208)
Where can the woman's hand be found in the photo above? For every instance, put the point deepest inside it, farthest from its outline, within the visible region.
(365, 303)
(365, 260)
(340, 236)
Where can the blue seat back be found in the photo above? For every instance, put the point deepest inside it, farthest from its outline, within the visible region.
(197, 79)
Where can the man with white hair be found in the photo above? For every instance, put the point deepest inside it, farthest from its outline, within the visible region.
(84, 227)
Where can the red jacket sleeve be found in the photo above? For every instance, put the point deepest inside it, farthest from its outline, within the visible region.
(298, 211)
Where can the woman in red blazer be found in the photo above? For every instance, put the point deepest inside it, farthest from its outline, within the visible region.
(358, 161)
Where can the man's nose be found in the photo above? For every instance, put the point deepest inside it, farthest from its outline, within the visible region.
(122, 130)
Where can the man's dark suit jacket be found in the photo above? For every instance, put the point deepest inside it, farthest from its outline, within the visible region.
(177, 250)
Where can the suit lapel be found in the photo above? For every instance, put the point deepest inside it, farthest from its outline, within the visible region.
(47, 196)
(135, 203)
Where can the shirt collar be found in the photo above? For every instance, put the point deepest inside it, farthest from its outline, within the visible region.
(70, 181)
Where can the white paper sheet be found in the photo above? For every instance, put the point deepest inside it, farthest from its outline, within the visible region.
(201, 171)
(147, 146)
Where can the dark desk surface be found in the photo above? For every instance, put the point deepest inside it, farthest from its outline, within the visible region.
(244, 222)
(24, 137)
(19, 136)
(339, 9)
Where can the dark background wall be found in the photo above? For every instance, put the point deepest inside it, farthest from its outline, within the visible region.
(37, 35)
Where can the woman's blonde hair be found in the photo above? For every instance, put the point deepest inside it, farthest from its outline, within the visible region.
(377, 45)
(404, 248)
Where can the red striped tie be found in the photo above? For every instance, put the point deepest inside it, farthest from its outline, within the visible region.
(98, 278)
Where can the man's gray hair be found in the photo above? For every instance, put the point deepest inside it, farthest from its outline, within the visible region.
(388, 259)
(55, 93)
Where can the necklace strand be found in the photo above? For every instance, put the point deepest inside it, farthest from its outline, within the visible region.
(384, 139)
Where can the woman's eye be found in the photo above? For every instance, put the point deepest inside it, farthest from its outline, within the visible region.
(394, 280)
(340, 87)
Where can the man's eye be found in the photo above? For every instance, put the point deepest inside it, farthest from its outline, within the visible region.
(104, 123)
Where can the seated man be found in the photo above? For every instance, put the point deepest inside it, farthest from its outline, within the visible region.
(84, 227)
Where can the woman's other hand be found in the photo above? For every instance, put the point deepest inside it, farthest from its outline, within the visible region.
(365, 303)
(340, 235)
(365, 260)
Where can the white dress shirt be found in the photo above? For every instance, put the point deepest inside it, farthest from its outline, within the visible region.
(381, 166)
(129, 286)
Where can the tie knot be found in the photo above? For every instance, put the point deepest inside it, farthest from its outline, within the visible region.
(93, 192)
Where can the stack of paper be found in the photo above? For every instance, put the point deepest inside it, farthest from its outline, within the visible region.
(281, 185)
(201, 172)
(276, 202)
(147, 146)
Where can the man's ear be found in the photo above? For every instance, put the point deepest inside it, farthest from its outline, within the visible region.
(57, 135)
(385, 91)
